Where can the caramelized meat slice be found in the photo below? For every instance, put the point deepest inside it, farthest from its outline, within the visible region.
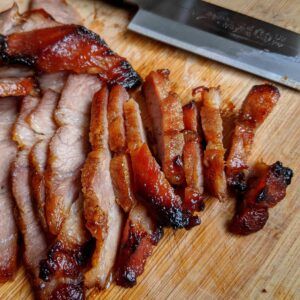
(121, 175)
(68, 148)
(214, 153)
(67, 48)
(61, 11)
(17, 87)
(255, 109)
(193, 155)
(62, 269)
(135, 133)
(167, 119)
(103, 215)
(140, 235)
(117, 97)
(149, 181)
(265, 189)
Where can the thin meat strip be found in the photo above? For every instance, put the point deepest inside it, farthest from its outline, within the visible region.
(103, 216)
(212, 127)
(265, 188)
(257, 106)
(193, 158)
(150, 182)
(167, 118)
(68, 148)
(17, 87)
(8, 227)
(34, 241)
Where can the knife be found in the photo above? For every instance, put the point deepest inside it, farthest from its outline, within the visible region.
(223, 35)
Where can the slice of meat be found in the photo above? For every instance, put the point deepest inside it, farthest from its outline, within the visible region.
(67, 48)
(8, 231)
(212, 126)
(68, 148)
(38, 161)
(53, 81)
(150, 182)
(140, 235)
(22, 133)
(266, 187)
(61, 11)
(103, 216)
(117, 97)
(62, 269)
(257, 106)
(135, 133)
(18, 87)
(121, 175)
(192, 157)
(41, 119)
(34, 241)
(167, 119)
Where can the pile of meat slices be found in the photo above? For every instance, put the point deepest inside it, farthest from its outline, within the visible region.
(92, 191)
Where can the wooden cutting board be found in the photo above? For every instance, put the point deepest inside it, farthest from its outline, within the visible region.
(207, 262)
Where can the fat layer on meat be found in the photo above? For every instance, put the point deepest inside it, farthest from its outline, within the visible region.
(103, 215)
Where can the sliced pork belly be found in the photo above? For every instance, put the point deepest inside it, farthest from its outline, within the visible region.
(150, 182)
(214, 153)
(265, 188)
(61, 270)
(8, 228)
(139, 237)
(257, 106)
(103, 215)
(67, 48)
(17, 87)
(68, 148)
(117, 97)
(61, 11)
(167, 119)
(192, 158)
(53, 81)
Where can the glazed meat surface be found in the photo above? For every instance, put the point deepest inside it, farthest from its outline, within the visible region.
(192, 157)
(68, 148)
(141, 233)
(67, 48)
(8, 232)
(167, 118)
(265, 188)
(150, 182)
(17, 87)
(214, 152)
(257, 106)
(103, 215)
(62, 269)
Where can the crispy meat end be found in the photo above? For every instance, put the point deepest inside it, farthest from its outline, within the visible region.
(68, 48)
(68, 292)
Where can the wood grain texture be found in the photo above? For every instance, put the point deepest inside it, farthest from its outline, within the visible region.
(208, 262)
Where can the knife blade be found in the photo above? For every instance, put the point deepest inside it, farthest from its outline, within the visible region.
(223, 35)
